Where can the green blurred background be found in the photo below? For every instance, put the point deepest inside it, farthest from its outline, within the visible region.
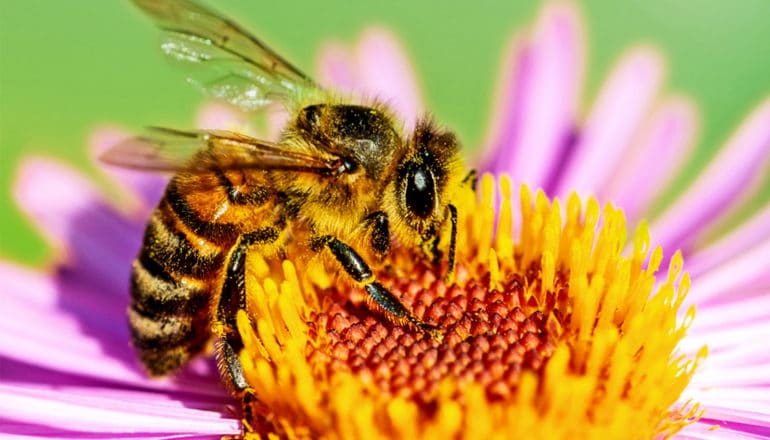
(69, 66)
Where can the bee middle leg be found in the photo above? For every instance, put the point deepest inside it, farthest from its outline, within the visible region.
(232, 299)
(356, 267)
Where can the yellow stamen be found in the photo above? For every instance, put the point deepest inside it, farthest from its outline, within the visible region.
(555, 335)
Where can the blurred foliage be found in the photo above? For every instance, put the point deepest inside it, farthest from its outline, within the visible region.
(67, 67)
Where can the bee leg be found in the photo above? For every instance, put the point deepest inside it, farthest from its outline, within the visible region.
(380, 232)
(357, 268)
(437, 254)
(471, 178)
(232, 299)
(452, 240)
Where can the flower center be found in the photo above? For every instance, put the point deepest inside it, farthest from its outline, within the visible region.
(556, 333)
(491, 334)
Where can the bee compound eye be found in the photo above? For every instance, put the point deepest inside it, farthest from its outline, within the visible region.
(420, 191)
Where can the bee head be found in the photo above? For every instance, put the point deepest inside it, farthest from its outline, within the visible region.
(424, 176)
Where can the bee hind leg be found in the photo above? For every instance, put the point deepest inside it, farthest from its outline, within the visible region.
(356, 267)
(232, 299)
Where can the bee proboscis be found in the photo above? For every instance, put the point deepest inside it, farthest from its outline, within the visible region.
(342, 182)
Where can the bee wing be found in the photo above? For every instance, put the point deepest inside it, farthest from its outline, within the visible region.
(222, 59)
(165, 149)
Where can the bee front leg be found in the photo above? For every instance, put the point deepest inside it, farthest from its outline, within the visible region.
(451, 213)
(232, 299)
(357, 268)
(452, 240)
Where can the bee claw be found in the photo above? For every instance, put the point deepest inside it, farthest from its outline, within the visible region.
(434, 331)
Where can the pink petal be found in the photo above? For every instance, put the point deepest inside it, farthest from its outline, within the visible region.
(33, 286)
(109, 410)
(58, 341)
(146, 188)
(69, 211)
(731, 245)
(654, 160)
(336, 67)
(750, 268)
(736, 311)
(509, 109)
(615, 118)
(740, 163)
(379, 68)
(56, 325)
(59, 329)
(537, 111)
(386, 72)
(215, 115)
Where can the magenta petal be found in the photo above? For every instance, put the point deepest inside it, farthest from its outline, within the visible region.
(614, 120)
(669, 134)
(537, 111)
(729, 175)
(145, 187)
(710, 429)
(89, 409)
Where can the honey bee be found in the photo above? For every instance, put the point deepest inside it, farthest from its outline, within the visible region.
(342, 182)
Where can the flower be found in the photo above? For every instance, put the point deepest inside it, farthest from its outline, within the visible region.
(68, 370)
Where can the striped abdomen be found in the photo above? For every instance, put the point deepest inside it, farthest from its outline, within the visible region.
(174, 278)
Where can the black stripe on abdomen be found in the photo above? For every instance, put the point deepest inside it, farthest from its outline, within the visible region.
(217, 232)
(169, 319)
(170, 252)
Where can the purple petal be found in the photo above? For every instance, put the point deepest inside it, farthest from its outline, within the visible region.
(655, 159)
(46, 335)
(537, 110)
(615, 118)
(107, 410)
(69, 211)
(729, 175)
(56, 326)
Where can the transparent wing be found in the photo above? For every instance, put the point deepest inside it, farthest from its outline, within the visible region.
(164, 149)
(221, 58)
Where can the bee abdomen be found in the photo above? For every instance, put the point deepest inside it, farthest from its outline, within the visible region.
(169, 316)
